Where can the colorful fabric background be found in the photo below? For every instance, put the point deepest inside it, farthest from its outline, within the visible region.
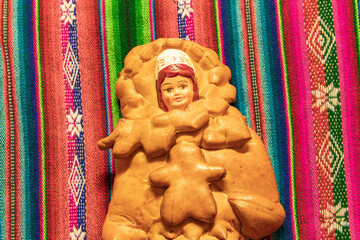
(295, 64)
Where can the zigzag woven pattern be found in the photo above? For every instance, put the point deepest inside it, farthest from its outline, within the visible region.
(295, 65)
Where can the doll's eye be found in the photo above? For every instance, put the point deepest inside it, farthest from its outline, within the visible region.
(183, 86)
(169, 90)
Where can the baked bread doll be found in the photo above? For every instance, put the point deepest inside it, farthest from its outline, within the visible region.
(188, 166)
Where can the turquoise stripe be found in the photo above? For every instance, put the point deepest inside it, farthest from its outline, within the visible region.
(269, 79)
(237, 62)
(274, 101)
(2, 154)
(28, 122)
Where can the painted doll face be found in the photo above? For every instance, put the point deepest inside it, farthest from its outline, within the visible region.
(177, 92)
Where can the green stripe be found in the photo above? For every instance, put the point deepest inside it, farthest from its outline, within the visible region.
(127, 25)
(217, 27)
(290, 118)
(42, 123)
(117, 47)
(139, 22)
(335, 124)
(143, 15)
(133, 23)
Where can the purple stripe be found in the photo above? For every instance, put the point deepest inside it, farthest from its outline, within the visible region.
(350, 104)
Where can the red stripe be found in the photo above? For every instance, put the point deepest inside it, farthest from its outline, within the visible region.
(166, 19)
(55, 120)
(94, 117)
(321, 124)
(204, 23)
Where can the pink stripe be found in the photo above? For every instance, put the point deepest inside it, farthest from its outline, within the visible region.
(73, 216)
(350, 105)
(152, 30)
(304, 152)
(71, 145)
(190, 31)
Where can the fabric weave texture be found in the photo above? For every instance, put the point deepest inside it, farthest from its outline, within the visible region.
(294, 63)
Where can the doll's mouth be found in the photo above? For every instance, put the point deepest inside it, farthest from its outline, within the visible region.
(178, 99)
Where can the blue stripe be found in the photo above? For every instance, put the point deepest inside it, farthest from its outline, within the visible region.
(2, 153)
(153, 18)
(80, 148)
(226, 31)
(234, 53)
(28, 121)
(274, 102)
(181, 24)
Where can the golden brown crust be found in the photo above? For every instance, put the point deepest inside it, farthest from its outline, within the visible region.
(170, 181)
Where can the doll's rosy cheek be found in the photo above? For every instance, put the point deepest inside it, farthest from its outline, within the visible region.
(167, 99)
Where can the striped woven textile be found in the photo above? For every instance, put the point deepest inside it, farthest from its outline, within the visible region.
(295, 64)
